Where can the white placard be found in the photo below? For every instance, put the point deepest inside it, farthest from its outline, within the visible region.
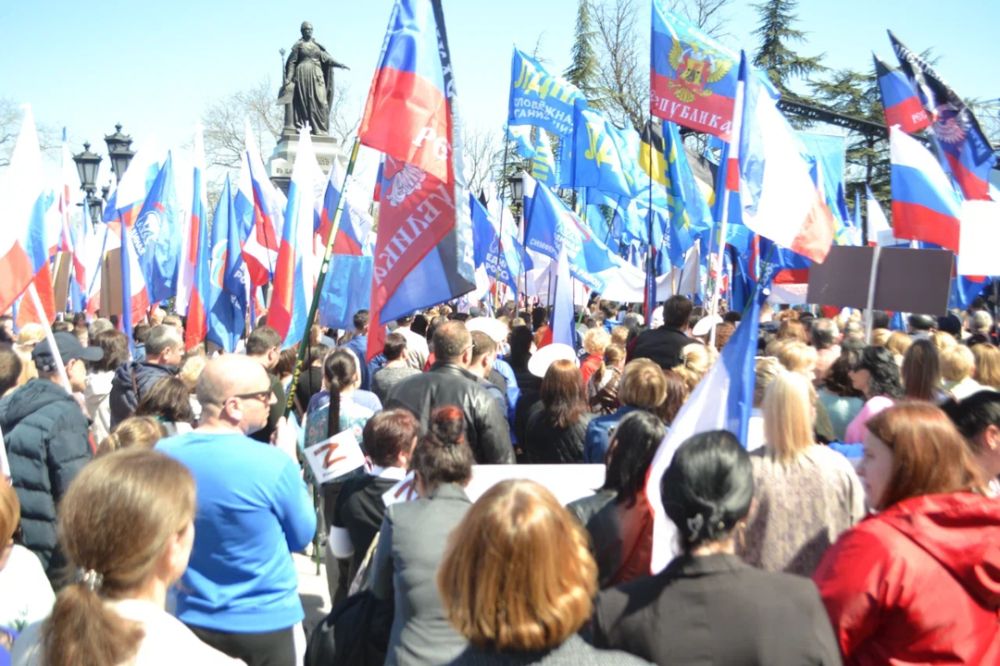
(566, 482)
(979, 235)
(335, 456)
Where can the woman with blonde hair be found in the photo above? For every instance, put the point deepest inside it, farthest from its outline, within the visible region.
(141, 432)
(696, 360)
(806, 494)
(898, 343)
(958, 365)
(517, 581)
(595, 341)
(987, 358)
(126, 527)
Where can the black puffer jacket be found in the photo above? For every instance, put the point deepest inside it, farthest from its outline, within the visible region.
(131, 382)
(45, 433)
(448, 384)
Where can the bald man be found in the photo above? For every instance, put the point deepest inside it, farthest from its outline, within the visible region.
(240, 591)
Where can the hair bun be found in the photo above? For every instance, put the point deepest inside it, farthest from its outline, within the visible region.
(447, 425)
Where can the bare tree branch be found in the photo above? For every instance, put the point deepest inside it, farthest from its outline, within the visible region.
(223, 124)
(709, 15)
(623, 78)
(479, 155)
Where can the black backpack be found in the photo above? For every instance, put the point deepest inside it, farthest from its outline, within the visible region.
(356, 631)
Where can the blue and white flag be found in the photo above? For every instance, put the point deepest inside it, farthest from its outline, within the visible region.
(540, 98)
(603, 156)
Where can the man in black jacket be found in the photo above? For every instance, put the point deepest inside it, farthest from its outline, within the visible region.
(164, 351)
(664, 344)
(449, 382)
(46, 436)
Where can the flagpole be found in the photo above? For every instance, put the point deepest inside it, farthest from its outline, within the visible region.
(320, 279)
(503, 191)
(734, 139)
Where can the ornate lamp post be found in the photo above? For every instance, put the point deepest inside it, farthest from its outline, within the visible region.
(119, 151)
(87, 164)
(517, 194)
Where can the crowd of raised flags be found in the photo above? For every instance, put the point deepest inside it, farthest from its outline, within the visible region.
(641, 225)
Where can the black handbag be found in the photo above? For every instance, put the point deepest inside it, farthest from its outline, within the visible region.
(356, 631)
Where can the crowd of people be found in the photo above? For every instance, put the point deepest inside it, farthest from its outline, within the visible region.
(155, 494)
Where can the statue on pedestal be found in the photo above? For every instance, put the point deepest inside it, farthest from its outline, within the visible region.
(307, 92)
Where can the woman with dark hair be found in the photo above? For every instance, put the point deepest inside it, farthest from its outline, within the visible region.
(127, 527)
(520, 353)
(617, 516)
(919, 581)
(388, 441)
(921, 373)
(412, 541)
(707, 606)
(98, 388)
(517, 581)
(837, 393)
(876, 375)
(557, 425)
(168, 401)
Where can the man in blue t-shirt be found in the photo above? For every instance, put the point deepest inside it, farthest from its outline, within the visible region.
(240, 591)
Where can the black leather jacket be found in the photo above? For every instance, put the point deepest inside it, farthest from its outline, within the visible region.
(449, 384)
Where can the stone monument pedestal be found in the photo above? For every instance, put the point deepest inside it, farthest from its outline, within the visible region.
(282, 160)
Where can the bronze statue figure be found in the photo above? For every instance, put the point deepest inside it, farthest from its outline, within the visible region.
(308, 85)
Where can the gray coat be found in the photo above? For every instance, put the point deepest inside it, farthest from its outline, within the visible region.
(410, 548)
(572, 652)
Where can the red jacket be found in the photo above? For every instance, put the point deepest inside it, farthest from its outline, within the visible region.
(918, 583)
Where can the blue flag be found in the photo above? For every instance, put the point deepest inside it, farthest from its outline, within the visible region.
(540, 98)
(553, 228)
(689, 213)
(500, 254)
(156, 235)
(227, 293)
(601, 155)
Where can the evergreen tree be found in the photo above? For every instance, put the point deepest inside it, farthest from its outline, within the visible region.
(856, 94)
(775, 55)
(583, 70)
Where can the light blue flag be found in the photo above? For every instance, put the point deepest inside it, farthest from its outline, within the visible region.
(689, 213)
(540, 98)
(156, 235)
(600, 155)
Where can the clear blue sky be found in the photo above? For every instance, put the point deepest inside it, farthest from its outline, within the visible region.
(155, 66)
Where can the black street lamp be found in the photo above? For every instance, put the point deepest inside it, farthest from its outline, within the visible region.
(87, 164)
(516, 192)
(119, 151)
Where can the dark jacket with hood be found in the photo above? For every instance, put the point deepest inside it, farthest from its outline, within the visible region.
(131, 382)
(45, 433)
(448, 384)
(919, 583)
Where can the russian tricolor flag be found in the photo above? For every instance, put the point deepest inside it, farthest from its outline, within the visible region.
(293, 275)
(899, 99)
(26, 202)
(780, 199)
(925, 206)
(424, 249)
(408, 114)
(194, 275)
(259, 207)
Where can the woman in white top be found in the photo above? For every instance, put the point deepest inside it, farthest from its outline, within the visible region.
(25, 593)
(126, 526)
